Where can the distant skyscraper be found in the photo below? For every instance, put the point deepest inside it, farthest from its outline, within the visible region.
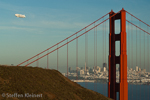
(69, 69)
(105, 65)
(104, 69)
(137, 69)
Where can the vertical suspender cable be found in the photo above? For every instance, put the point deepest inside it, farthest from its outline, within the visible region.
(136, 56)
(94, 60)
(129, 47)
(85, 61)
(140, 59)
(132, 51)
(47, 59)
(85, 71)
(76, 57)
(96, 55)
(103, 56)
(67, 58)
(57, 56)
(87, 51)
(105, 51)
(27, 61)
(128, 41)
(38, 61)
(128, 53)
(77, 54)
(144, 62)
(86, 57)
(148, 58)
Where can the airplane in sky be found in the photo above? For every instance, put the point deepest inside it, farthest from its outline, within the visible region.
(20, 15)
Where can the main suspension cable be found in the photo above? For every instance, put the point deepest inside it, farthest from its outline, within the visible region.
(73, 39)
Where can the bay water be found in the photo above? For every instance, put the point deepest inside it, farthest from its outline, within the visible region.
(135, 92)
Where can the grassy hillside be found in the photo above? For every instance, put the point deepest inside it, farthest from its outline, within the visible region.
(16, 82)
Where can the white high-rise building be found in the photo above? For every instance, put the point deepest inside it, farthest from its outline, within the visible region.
(104, 69)
(137, 69)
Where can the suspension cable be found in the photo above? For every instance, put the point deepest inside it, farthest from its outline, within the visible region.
(138, 19)
(72, 39)
(63, 40)
(138, 27)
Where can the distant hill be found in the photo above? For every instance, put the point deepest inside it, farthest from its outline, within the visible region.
(42, 84)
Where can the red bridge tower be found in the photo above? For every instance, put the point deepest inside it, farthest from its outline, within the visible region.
(122, 86)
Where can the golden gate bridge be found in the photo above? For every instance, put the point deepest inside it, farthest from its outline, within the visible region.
(109, 40)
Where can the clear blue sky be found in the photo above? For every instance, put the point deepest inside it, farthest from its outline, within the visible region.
(49, 21)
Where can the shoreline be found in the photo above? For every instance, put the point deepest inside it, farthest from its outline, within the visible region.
(83, 81)
(93, 81)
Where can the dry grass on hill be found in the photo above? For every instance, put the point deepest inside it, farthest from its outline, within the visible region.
(50, 83)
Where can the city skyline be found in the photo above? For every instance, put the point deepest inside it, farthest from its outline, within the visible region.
(100, 74)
